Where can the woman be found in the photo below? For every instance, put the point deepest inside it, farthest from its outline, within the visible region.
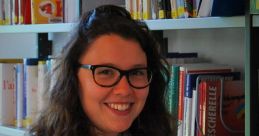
(111, 81)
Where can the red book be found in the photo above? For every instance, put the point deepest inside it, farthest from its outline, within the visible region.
(27, 12)
(231, 122)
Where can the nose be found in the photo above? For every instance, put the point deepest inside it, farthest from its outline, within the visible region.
(122, 87)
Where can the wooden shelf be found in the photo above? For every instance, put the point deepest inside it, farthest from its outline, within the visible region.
(11, 131)
(196, 23)
(37, 28)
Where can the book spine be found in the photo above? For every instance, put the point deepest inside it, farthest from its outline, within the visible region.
(135, 9)
(7, 11)
(19, 95)
(187, 106)
(181, 101)
(8, 100)
(31, 80)
(154, 9)
(180, 8)
(42, 84)
(1, 13)
(194, 112)
(146, 9)
(174, 13)
(161, 9)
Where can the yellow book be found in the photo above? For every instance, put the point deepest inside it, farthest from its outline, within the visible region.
(47, 11)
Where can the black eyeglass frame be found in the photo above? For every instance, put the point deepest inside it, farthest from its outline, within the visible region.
(122, 73)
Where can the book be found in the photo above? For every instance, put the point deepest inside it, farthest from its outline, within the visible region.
(47, 11)
(154, 9)
(30, 90)
(146, 9)
(19, 94)
(174, 13)
(161, 9)
(190, 85)
(172, 91)
(228, 8)
(7, 94)
(180, 8)
(222, 107)
(205, 8)
(27, 12)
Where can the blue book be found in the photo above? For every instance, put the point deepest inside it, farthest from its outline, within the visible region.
(228, 8)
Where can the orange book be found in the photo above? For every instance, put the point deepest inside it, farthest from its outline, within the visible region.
(47, 11)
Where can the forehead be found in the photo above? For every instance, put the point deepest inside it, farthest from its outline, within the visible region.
(116, 50)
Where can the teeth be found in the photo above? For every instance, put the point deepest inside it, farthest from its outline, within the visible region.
(120, 107)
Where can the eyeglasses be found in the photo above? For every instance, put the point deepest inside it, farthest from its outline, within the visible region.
(108, 76)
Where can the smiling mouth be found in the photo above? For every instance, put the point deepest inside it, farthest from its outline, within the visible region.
(119, 107)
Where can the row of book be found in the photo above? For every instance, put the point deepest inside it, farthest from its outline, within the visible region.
(207, 98)
(23, 84)
(38, 11)
(166, 9)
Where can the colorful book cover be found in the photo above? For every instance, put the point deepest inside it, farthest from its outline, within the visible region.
(47, 11)
(223, 114)
(190, 85)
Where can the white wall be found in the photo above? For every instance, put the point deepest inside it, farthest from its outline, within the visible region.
(19, 45)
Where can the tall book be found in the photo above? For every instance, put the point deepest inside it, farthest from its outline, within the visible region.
(7, 94)
(223, 107)
(172, 91)
(31, 90)
(19, 94)
(190, 86)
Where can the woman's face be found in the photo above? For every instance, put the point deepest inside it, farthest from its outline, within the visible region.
(112, 109)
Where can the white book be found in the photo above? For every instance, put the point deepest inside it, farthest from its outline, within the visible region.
(7, 94)
(187, 116)
(194, 112)
(42, 85)
(205, 8)
(31, 90)
(7, 11)
(19, 95)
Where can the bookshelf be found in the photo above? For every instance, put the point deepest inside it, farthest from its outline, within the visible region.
(38, 28)
(196, 23)
(10, 131)
(169, 26)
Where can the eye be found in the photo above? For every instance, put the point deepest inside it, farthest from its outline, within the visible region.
(105, 71)
(138, 72)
